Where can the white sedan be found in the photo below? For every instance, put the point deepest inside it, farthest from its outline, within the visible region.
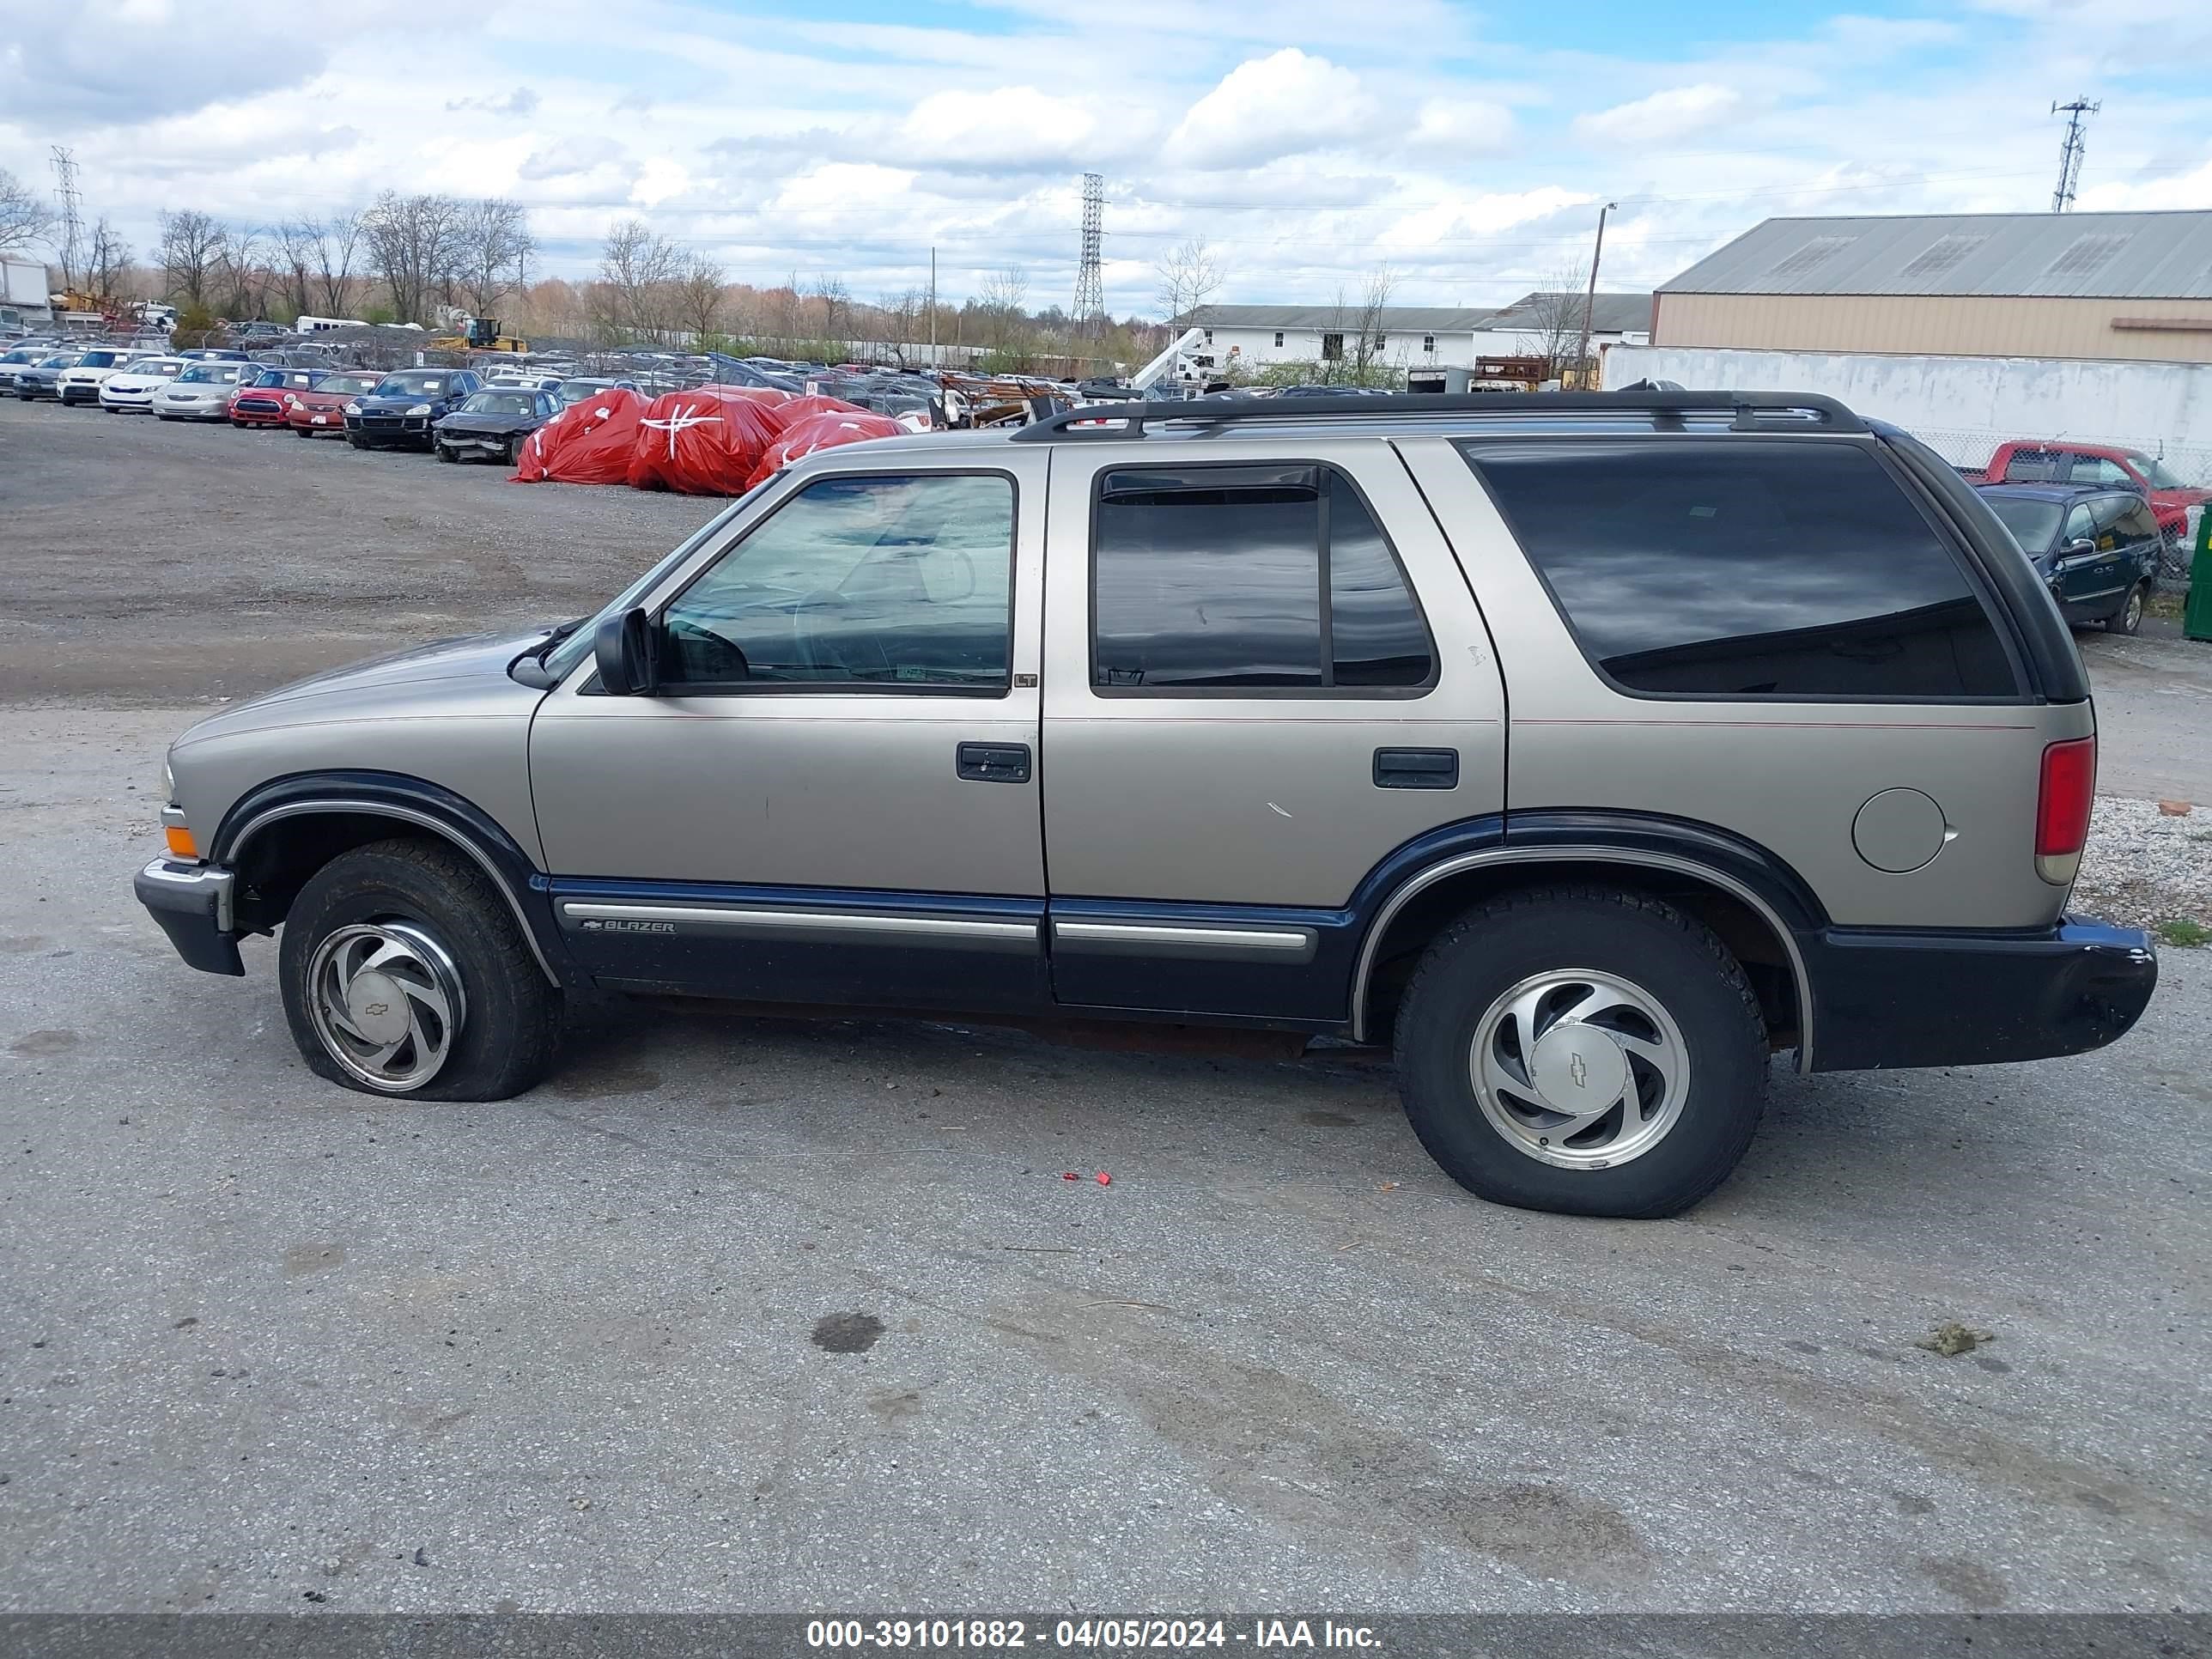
(133, 387)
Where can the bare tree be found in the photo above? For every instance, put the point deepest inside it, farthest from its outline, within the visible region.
(901, 315)
(493, 243)
(108, 267)
(1188, 277)
(700, 294)
(240, 274)
(638, 271)
(25, 218)
(1371, 340)
(1553, 330)
(295, 250)
(337, 243)
(1001, 300)
(191, 248)
(414, 245)
(836, 302)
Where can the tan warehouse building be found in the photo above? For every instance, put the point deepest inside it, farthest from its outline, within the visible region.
(2127, 285)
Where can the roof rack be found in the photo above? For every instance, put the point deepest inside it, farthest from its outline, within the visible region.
(1747, 412)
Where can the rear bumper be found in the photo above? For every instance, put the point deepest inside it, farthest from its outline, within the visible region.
(192, 903)
(1883, 999)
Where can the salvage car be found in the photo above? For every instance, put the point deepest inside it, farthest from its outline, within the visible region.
(1802, 760)
(202, 392)
(34, 380)
(23, 355)
(490, 424)
(266, 398)
(576, 390)
(2096, 547)
(401, 411)
(80, 383)
(133, 388)
(319, 411)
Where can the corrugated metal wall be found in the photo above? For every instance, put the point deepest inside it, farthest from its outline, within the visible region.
(1968, 326)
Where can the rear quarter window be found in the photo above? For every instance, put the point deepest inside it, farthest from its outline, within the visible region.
(1747, 570)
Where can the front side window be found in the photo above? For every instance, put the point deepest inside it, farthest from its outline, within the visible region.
(2081, 525)
(1270, 575)
(893, 582)
(1747, 570)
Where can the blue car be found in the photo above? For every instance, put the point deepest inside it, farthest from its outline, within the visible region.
(2095, 546)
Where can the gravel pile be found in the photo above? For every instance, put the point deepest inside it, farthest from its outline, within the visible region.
(2142, 868)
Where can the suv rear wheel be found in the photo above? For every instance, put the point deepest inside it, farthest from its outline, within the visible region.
(1586, 1050)
(405, 973)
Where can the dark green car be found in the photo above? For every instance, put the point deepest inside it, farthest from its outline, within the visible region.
(2095, 546)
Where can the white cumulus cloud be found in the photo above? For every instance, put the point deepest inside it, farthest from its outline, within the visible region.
(1673, 113)
(1283, 104)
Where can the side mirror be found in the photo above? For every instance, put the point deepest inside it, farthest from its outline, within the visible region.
(627, 654)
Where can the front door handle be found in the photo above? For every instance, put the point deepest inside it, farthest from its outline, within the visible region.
(1417, 768)
(994, 762)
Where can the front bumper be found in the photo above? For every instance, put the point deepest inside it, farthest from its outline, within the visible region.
(1884, 999)
(78, 393)
(192, 903)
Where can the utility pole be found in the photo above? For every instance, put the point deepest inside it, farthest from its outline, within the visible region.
(1589, 302)
(933, 308)
(2069, 155)
(1089, 291)
(72, 217)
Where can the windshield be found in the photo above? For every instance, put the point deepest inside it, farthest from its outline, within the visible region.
(271, 377)
(101, 359)
(578, 645)
(155, 369)
(62, 360)
(409, 386)
(2159, 475)
(208, 374)
(341, 386)
(20, 355)
(2033, 523)
(576, 390)
(501, 402)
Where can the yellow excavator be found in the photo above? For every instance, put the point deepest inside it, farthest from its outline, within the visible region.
(483, 335)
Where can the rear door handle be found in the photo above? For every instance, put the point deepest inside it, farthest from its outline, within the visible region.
(1417, 768)
(994, 762)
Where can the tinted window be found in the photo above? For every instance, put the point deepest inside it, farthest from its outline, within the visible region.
(1213, 577)
(2138, 522)
(2033, 523)
(2080, 523)
(885, 581)
(1746, 569)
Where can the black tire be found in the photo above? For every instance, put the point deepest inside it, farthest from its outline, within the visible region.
(358, 443)
(511, 1029)
(444, 453)
(2128, 619)
(301, 432)
(1498, 944)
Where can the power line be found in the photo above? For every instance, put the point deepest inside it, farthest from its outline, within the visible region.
(2069, 153)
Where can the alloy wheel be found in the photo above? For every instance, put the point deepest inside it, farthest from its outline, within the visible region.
(1580, 1068)
(388, 1003)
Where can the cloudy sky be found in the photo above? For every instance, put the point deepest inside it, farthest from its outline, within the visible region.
(1466, 145)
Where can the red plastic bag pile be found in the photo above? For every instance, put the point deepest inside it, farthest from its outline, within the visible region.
(589, 442)
(812, 432)
(705, 441)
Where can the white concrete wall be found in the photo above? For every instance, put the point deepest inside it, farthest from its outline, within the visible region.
(1966, 406)
(1256, 347)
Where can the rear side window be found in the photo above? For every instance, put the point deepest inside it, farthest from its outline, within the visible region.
(1264, 576)
(1747, 570)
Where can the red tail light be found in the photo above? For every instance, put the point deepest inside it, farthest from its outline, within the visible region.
(2068, 788)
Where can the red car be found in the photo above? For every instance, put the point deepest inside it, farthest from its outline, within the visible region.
(319, 410)
(2062, 460)
(265, 398)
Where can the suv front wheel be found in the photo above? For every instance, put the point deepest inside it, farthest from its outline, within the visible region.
(1586, 1050)
(405, 973)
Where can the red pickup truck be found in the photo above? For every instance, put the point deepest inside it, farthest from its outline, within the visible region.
(2061, 460)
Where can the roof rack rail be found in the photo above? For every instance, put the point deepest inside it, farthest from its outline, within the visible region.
(1748, 411)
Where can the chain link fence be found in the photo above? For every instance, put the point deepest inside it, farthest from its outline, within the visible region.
(1970, 449)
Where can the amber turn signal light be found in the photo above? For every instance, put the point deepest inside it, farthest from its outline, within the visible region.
(181, 844)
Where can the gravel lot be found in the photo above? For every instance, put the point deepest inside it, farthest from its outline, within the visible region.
(747, 1313)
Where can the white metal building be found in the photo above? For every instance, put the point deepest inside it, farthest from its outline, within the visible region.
(1410, 336)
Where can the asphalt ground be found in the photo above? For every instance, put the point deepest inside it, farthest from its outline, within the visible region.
(741, 1314)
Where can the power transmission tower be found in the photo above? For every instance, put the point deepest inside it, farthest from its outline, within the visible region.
(72, 217)
(1090, 289)
(2069, 157)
